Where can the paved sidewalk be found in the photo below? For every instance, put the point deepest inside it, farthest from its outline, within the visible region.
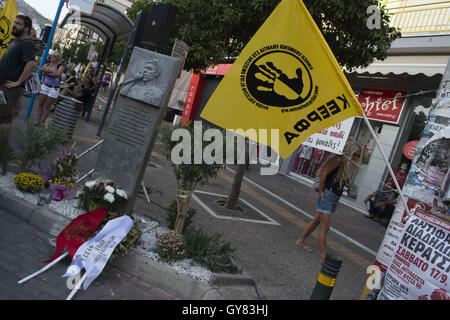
(23, 250)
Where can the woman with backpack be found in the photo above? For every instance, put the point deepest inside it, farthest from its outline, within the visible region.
(333, 175)
(50, 86)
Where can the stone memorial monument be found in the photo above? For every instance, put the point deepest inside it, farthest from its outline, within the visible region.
(137, 114)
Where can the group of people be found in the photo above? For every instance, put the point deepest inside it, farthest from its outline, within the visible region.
(73, 85)
(17, 66)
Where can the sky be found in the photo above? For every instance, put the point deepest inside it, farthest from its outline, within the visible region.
(48, 8)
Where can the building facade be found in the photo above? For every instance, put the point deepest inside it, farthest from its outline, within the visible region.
(396, 95)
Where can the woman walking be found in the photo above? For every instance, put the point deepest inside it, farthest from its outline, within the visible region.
(334, 173)
(50, 87)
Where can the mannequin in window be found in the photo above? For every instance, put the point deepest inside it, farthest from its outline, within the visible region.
(304, 155)
(401, 174)
(316, 159)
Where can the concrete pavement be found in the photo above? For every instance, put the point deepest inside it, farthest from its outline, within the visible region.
(23, 250)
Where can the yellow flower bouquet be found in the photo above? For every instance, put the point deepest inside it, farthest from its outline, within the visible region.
(29, 182)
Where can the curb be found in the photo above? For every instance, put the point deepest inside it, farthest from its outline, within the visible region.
(228, 279)
(50, 222)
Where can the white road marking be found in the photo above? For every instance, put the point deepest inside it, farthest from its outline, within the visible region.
(211, 212)
(307, 214)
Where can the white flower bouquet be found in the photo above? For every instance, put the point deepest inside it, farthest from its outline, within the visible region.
(101, 194)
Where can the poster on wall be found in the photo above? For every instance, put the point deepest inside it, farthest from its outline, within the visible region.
(332, 139)
(420, 266)
(409, 149)
(427, 179)
(394, 230)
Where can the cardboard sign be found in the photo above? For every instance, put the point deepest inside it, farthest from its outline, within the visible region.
(332, 139)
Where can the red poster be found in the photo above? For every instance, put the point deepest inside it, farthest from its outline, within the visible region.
(218, 70)
(382, 104)
(410, 149)
(193, 95)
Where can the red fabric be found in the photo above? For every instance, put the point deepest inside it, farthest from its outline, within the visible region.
(401, 177)
(78, 231)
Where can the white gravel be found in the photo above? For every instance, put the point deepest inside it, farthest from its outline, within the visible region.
(145, 246)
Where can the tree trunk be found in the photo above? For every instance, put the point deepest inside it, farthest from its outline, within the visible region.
(236, 187)
(182, 212)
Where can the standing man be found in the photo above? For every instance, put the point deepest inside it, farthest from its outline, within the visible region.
(16, 66)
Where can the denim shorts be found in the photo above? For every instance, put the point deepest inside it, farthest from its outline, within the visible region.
(329, 202)
(49, 91)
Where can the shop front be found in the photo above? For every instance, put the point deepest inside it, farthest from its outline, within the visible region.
(397, 106)
(396, 117)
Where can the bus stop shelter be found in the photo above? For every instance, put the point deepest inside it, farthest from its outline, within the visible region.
(111, 25)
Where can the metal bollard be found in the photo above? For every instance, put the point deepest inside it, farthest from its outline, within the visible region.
(327, 278)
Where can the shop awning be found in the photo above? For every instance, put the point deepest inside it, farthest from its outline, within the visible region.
(412, 65)
(108, 22)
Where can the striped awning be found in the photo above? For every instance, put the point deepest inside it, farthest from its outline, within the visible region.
(413, 65)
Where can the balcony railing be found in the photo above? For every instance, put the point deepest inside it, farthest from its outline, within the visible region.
(419, 16)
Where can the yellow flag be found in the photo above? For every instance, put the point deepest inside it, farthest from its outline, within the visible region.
(286, 78)
(86, 70)
(7, 18)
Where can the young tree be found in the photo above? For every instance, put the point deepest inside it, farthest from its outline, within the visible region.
(189, 173)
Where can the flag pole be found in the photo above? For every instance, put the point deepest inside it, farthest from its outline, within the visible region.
(77, 287)
(383, 155)
(48, 266)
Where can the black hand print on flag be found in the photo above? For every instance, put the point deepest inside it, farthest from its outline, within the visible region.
(276, 81)
(270, 85)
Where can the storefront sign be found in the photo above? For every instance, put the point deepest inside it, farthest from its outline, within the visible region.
(180, 50)
(410, 148)
(218, 70)
(382, 104)
(420, 267)
(194, 92)
(332, 139)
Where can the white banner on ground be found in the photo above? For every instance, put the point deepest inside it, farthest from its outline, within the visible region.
(94, 254)
(332, 139)
(420, 267)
